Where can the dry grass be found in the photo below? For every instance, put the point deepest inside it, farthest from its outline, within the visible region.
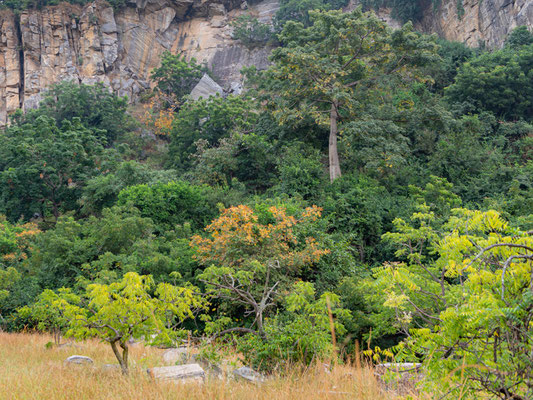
(31, 371)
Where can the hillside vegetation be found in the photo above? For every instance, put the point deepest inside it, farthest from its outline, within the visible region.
(372, 189)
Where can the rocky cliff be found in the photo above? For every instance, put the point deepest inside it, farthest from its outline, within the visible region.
(95, 43)
(476, 22)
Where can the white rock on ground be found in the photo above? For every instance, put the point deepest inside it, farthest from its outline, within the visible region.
(179, 373)
(75, 359)
(111, 367)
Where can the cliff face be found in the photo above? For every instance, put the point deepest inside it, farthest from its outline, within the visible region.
(96, 44)
(479, 21)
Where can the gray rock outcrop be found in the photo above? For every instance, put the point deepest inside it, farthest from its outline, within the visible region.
(94, 43)
(186, 372)
(486, 22)
(76, 359)
(205, 88)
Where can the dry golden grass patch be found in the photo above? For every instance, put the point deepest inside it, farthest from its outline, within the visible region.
(31, 371)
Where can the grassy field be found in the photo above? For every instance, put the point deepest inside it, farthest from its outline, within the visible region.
(32, 371)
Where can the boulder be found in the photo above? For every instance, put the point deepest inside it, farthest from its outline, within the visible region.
(205, 88)
(75, 359)
(249, 375)
(180, 373)
(176, 356)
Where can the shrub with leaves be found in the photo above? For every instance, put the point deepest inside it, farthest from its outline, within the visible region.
(170, 204)
(44, 314)
(463, 299)
(250, 31)
(305, 332)
(176, 77)
(132, 308)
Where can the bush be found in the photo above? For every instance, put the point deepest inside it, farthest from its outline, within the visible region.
(102, 191)
(499, 82)
(250, 31)
(95, 105)
(44, 168)
(170, 204)
(301, 171)
(301, 334)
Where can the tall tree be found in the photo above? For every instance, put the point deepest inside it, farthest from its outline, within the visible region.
(329, 70)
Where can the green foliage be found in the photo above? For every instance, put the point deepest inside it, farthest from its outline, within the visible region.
(170, 204)
(234, 161)
(380, 148)
(476, 166)
(298, 10)
(437, 195)
(301, 171)
(96, 107)
(207, 120)
(105, 248)
(250, 32)
(43, 168)
(300, 334)
(329, 70)
(8, 278)
(176, 77)
(453, 56)
(463, 304)
(102, 190)
(460, 9)
(64, 255)
(144, 310)
(499, 82)
(360, 210)
(519, 37)
(44, 314)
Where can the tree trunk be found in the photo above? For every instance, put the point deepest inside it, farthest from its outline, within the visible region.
(122, 358)
(334, 165)
(57, 336)
(259, 320)
(125, 352)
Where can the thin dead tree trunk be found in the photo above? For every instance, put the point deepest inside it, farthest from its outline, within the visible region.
(334, 165)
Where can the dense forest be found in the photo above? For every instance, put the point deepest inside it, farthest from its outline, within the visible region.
(372, 188)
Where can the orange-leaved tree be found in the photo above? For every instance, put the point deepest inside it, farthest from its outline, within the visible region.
(252, 256)
(15, 247)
